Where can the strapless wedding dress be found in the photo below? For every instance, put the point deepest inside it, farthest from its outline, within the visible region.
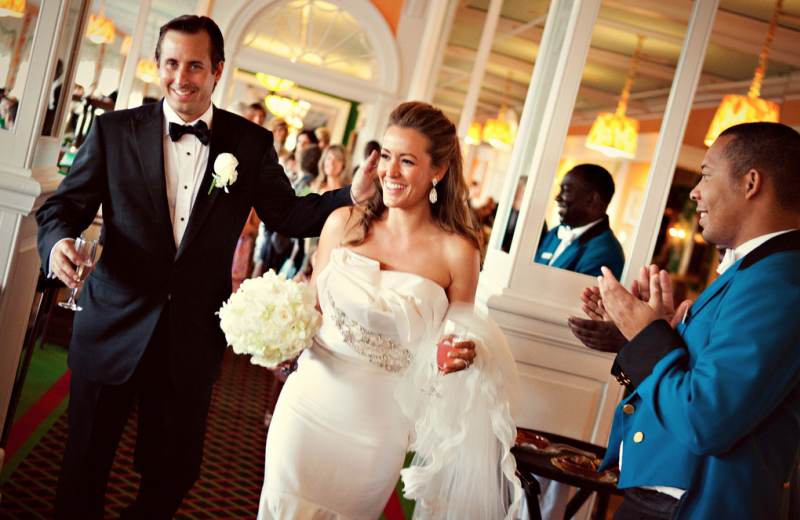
(354, 407)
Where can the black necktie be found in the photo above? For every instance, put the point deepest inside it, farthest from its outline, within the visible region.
(199, 129)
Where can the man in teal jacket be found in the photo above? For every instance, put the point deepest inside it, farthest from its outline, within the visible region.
(583, 242)
(712, 426)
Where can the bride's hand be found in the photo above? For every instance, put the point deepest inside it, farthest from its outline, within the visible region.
(461, 359)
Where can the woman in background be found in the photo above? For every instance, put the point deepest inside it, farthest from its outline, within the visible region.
(334, 170)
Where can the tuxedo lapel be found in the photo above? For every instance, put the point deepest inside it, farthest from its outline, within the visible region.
(711, 292)
(224, 138)
(566, 256)
(148, 133)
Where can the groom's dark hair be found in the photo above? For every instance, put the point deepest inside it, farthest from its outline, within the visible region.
(192, 24)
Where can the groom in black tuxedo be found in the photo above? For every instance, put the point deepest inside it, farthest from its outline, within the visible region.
(148, 329)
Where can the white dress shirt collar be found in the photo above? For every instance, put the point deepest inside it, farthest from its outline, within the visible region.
(170, 116)
(734, 255)
(567, 235)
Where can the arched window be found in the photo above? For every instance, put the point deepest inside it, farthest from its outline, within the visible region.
(316, 33)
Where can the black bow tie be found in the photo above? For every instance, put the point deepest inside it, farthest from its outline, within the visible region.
(199, 129)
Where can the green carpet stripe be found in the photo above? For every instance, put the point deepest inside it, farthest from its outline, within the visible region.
(48, 364)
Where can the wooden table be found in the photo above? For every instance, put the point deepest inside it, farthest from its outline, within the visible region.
(531, 462)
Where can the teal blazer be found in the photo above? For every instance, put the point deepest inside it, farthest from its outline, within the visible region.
(594, 249)
(715, 407)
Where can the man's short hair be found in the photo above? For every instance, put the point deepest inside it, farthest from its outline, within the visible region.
(772, 149)
(597, 179)
(192, 24)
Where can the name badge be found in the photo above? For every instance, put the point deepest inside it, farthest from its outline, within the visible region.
(547, 256)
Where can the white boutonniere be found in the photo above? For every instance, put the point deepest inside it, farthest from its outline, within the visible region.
(225, 172)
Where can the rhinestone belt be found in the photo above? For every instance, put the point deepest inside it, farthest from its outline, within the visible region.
(386, 353)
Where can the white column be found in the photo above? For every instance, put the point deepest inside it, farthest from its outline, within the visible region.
(132, 60)
(440, 15)
(679, 105)
(479, 68)
(20, 194)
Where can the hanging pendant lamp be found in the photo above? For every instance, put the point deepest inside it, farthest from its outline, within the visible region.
(498, 132)
(100, 29)
(735, 110)
(616, 135)
(13, 8)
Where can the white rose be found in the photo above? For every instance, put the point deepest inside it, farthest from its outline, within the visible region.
(225, 172)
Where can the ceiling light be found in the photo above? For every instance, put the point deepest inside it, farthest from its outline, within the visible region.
(616, 135)
(735, 110)
(274, 83)
(100, 29)
(14, 8)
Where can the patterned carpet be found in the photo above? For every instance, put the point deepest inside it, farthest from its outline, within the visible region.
(232, 468)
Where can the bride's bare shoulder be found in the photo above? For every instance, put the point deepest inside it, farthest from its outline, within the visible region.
(464, 263)
(342, 220)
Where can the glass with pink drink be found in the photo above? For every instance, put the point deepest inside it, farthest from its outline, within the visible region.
(452, 333)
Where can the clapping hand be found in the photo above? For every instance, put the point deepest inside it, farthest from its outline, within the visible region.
(600, 332)
(364, 184)
(632, 314)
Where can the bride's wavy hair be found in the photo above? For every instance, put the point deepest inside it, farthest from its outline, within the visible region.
(451, 212)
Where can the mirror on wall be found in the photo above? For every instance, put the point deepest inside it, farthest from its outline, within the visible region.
(602, 174)
(60, 99)
(17, 29)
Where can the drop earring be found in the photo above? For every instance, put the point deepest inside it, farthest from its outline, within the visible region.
(432, 196)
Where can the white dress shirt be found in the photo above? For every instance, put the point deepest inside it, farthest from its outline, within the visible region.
(185, 162)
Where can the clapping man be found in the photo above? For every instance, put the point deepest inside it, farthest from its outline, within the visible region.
(711, 428)
(148, 329)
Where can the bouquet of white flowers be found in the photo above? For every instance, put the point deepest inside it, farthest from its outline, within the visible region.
(271, 318)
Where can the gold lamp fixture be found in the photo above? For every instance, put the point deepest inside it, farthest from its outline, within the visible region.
(146, 71)
(498, 132)
(616, 135)
(279, 105)
(13, 8)
(751, 108)
(274, 83)
(100, 29)
(474, 134)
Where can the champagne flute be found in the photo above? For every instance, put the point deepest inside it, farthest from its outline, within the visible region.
(452, 333)
(86, 250)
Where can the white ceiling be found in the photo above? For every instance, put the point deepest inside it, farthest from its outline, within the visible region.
(739, 32)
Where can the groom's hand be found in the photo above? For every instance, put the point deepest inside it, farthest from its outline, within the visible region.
(363, 187)
(63, 259)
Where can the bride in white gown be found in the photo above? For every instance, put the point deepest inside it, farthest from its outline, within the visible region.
(387, 273)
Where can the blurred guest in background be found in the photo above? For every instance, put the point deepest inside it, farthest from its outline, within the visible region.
(334, 170)
(280, 131)
(305, 138)
(323, 137)
(371, 146)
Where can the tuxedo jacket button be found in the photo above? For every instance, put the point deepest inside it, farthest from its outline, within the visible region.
(628, 409)
(638, 437)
